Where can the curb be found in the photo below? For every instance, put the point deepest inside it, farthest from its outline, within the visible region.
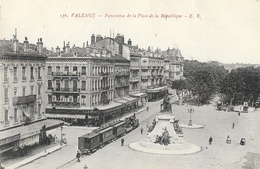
(35, 157)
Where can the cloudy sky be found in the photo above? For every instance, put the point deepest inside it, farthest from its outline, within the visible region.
(221, 30)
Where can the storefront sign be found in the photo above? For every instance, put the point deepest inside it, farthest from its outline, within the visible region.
(9, 139)
(29, 134)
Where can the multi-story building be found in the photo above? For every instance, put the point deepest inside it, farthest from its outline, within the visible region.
(22, 87)
(176, 64)
(87, 84)
(152, 71)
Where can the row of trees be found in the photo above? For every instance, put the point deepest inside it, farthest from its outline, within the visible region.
(241, 85)
(204, 80)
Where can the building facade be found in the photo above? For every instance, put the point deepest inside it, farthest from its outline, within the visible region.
(23, 89)
(87, 84)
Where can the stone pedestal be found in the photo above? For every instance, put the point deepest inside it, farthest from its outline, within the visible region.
(177, 145)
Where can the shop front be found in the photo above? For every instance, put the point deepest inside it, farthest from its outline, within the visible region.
(156, 93)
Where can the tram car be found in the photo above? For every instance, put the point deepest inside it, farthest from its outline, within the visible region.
(90, 142)
(118, 128)
(131, 123)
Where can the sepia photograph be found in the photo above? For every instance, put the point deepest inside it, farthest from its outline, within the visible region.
(94, 84)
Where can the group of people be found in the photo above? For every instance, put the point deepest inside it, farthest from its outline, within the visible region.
(228, 139)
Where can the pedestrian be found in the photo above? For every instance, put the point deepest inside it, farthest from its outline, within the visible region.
(85, 167)
(210, 140)
(78, 156)
(233, 126)
(122, 141)
(141, 129)
(147, 108)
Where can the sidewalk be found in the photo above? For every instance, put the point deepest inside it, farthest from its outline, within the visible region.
(35, 157)
(45, 150)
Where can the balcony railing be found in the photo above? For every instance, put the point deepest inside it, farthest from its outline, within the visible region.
(122, 84)
(104, 73)
(32, 79)
(144, 67)
(105, 88)
(66, 90)
(66, 104)
(122, 73)
(105, 101)
(24, 99)
(65, 73)
(144, 77)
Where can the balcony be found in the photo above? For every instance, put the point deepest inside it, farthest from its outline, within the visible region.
(65, 90)
(134, 79)
(122, 74)
(144, 77)
(24, 99)
(105, 88)
(134, 67)
(66, 104)
(65, 73)
(104, 73)
(39, 78)
(144, 67)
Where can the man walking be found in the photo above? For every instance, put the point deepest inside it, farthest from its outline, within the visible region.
(122, 141)
(210, 140)
(233, 126)
(141, 129)
(78, 156)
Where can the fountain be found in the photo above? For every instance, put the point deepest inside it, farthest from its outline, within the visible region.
(166, 136)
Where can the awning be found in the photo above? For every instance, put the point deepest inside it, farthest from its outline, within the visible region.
(71, 116)
(26, 114)
(139, 95)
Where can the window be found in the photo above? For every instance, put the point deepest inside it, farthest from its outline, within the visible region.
(39, 73)
(49, 70)
(15, 115)
(57, 69)
(23, 73)
(75, 70)
(83, 70)
(58, 97)
(6, 95)
(6, 117)
(66, 84)
(66, 69)
(58, 85)
(5, 74)
(15, 91)
(39, 89)
(49, 99)
(39, 109)
(83, 100)
(32, 78)
(49, 84)
(83, 85)
(15, 74)
(24, 89)
(32, 90)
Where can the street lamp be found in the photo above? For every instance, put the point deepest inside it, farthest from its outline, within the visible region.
(190, 110)
(61, 128)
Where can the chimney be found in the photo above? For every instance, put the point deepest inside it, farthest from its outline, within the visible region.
(15, 42)
(67, 48)
(58, 50)
(26, 46)
(87, 43)
(63, 46)
(40, 46)
(98, 38)
(83, 44)
(52, 49)
(129, 42)
(93, 39)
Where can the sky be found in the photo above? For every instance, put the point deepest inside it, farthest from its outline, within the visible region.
(226, 31)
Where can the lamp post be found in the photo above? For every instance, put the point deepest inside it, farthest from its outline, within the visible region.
(61, 128)
(190, 110)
